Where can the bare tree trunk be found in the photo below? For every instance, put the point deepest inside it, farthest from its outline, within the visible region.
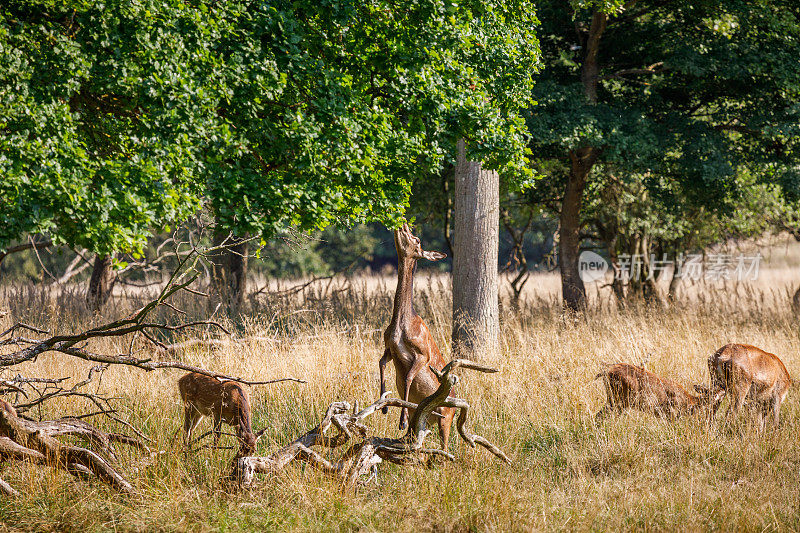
(475, 245)
(582, 160)
(229, 276)
(102, 281)
(675, 282)
(650, 292)
(573, 291)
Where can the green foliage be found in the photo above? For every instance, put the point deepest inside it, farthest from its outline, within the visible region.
(122, 117)
(695, 90)
(92, 151)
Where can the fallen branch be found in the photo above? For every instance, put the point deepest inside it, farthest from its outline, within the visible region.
(22, 439)
(75, 344)
(362, 458)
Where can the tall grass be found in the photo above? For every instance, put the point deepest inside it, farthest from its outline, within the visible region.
(631, 472)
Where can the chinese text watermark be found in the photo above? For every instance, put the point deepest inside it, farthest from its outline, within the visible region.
(639, 267)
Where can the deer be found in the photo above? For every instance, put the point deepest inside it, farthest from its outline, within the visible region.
(224, 401)
(408, 342)
(746, 373)
(633, 387)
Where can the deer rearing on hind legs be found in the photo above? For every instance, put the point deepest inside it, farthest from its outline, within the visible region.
(408, 342)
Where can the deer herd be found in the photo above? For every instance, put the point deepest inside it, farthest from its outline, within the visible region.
(742, 373)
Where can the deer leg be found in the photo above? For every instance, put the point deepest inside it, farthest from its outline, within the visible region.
(387, 355)
(775, 407)
(191, 417)
(419, 362)
(761, 416)
(445, 423)
(217, 429)
(737, 402)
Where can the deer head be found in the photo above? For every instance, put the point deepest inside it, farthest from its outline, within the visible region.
(248, 442)
(708, 397)
(409, 247)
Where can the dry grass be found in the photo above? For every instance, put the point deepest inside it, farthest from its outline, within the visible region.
(633, 472)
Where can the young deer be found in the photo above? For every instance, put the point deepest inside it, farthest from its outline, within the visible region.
(224, 401)
(633, 387)
(746, 373)
(408, 342)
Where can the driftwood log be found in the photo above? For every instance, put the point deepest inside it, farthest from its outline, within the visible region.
(362, 457)
(29, 440)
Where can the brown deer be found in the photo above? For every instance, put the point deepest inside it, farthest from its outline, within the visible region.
(746, 373)
(408, 342)
(633, 387)
(224, 401)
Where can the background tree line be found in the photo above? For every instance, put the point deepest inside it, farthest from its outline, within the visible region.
(636, 127)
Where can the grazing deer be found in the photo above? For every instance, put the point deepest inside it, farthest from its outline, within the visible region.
(224, 401)
(633, 387)
(747, 373)
(408, 342)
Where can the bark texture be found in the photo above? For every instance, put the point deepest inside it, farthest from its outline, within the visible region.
(102, 282)
(475, 248)
(229, 276)
(366, 451)
(28, 440)
(572, 289)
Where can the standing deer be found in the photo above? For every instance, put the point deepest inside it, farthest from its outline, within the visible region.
(633, 387)
(745, 372)
(408, 342)
(224, 401)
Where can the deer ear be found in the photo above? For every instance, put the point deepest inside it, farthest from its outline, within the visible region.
(433, 256)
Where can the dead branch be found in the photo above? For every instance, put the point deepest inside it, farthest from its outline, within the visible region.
(75, 344)
(362, 458)
(78, 264)
(22, 439)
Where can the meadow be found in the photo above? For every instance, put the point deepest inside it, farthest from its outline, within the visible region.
(632, 472)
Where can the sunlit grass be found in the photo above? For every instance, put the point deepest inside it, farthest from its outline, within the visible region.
(632, 472)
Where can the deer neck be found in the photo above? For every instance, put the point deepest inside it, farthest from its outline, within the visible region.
(244, 415)
(403, 305)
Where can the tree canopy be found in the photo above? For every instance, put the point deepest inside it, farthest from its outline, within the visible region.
(685, 96)
(121, 117)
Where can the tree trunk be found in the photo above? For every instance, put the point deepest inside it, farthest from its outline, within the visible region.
(650, 292)
(582, 160)
(675, 282)
(102, 282)
(475, 247)
(229, 275)
(572, 290)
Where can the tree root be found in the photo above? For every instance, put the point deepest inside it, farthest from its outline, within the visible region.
(28, 440)
(362, 458)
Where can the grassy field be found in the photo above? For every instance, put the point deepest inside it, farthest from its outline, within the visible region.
(633, 472)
